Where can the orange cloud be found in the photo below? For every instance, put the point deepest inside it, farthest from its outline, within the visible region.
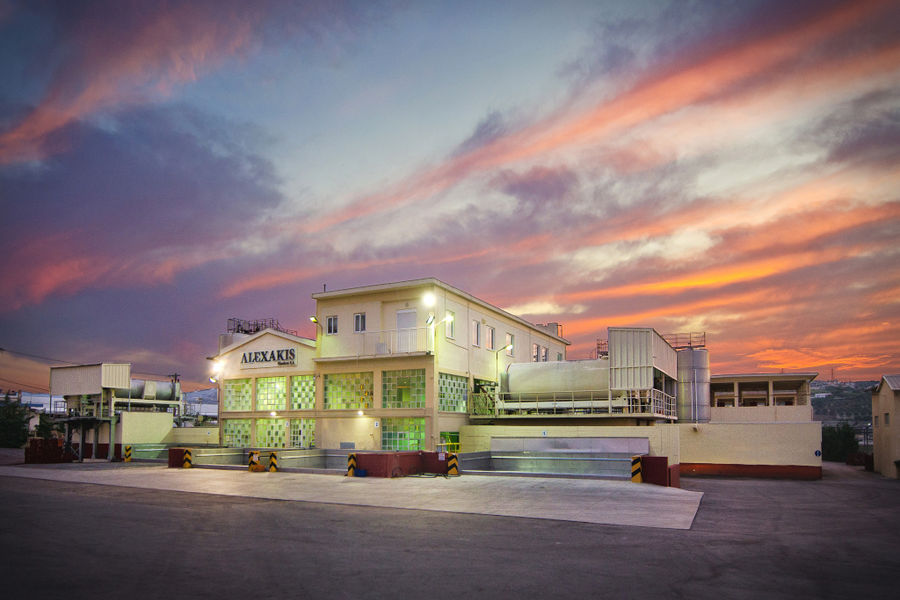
(659, 94)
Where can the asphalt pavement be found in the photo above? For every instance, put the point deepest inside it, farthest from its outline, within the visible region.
(834, 538)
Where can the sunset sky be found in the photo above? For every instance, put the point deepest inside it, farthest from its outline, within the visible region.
(727, 167)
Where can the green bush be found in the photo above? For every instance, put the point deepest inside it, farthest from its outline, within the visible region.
(838, 442)
(13, 423)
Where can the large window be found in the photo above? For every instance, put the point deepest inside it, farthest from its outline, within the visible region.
(348, 391)
(271, 393)
(303, 392)
(476, 332)
(402, 434)
(236, 394)
(331, 325)
(452, 392)
(489, 338)
(403, 389)
(359, 322)
(510, 344)
(539, 353)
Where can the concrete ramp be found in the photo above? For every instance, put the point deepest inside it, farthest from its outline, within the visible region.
(580, 500)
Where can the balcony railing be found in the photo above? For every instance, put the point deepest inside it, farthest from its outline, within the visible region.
(597, 403)
(394, 341)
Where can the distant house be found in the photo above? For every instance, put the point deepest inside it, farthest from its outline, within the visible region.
(886, 436)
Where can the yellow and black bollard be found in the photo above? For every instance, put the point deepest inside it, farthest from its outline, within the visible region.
(351, 465)
(126, 454)
(188, 461)
(253, 460)
(273, 462)
(636, 470)
(452, 464)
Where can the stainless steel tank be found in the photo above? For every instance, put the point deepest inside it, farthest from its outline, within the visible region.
(136, 390)
(693, 384)
(561, 376)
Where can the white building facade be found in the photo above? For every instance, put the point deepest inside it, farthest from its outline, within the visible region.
(393, 367)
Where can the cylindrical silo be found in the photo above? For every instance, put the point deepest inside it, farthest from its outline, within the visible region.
(136, 391)
(693, 384)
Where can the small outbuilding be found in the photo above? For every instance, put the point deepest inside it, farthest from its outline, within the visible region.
(886, 436)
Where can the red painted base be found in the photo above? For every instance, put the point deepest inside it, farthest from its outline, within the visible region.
(763, 471)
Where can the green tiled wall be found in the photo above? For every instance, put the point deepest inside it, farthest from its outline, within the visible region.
(303, 433)
(271, 393)
(270, 433)
(348, 391)
(402, 434)
(236, 394)
(303, 392)
(403, 389)
(452, 393)
(236, 433)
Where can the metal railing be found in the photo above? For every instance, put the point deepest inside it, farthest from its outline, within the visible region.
(693, 339)
(394, 341)
(633, 403)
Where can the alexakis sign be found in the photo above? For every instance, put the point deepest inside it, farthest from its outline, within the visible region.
(268, 358)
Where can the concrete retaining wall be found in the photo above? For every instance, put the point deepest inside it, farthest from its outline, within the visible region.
(662, 440)
(752, 443)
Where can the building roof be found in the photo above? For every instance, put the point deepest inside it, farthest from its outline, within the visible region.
(893, 382)
(276, 332)
(414, 283)
(760, 376)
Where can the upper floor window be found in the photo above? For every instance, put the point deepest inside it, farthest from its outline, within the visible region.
(359, 322)
(331, 325)
(450, 324)
(489, 338)
(510, 344)
(558, 356)
(535, 353)
(545, 354)
(476, 332)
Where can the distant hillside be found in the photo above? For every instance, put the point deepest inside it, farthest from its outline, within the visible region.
(204, 402)
(849, 402)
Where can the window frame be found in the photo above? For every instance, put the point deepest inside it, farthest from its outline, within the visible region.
(450, 325)
(490, 337)
(476, 333)
(359, 319)
(329, 320)
(510, 344)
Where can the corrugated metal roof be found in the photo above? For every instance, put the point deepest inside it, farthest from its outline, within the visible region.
(893, 381)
